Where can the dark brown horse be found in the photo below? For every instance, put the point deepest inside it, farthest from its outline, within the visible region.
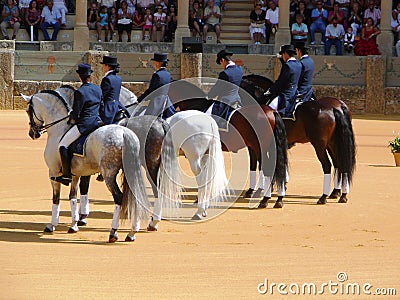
(256, 127)
(326, 124)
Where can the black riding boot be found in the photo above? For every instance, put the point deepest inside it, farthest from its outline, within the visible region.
(66, 177)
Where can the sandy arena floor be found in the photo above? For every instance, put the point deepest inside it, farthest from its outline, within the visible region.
(227, 257)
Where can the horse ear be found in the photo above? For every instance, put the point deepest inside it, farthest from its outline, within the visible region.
(26, 98)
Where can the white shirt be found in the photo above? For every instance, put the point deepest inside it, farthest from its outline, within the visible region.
(337, 31)
(272, 15)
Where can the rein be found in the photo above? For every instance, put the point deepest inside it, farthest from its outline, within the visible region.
(43, 128)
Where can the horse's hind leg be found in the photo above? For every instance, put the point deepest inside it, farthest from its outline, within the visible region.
(195, 165)
(117, 195)
(84, 200)
(74, 205)
(337, 182)
(326, 166)
(157, 212)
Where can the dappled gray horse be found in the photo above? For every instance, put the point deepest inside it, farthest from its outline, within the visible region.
(108, 150)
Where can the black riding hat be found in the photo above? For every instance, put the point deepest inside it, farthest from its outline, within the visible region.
(110, 61)
(161, 57)
(223, 54)
(288, 49)
(301, 45)
(84, 69)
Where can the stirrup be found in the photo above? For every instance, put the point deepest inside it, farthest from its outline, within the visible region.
(61, 179)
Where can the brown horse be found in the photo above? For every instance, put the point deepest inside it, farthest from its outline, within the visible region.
(256, 127)
(326, 124)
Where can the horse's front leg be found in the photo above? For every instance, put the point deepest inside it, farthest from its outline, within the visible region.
(55, 209)
(73, 200)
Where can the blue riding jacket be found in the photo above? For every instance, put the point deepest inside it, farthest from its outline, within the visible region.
(160, 104)
(285, 87)
(305, 81)
(85, 110)
(111, 87)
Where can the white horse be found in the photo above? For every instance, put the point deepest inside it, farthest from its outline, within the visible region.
(196, 135)
(107, 150)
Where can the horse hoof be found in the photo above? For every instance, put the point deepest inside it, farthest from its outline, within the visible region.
(196, 201)
(100, 178)
(82, 222)
(130, 238)
(343, 199)
(262, 205)
(196, 217)
(113, 238)
(47, 229)
(335, 194)
(151, 228)
(322, 200)
(204, 214)
(248, 193)
(72, 230)
(258, 193)
(278, 204)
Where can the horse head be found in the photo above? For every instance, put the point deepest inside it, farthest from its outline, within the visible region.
(35, 122)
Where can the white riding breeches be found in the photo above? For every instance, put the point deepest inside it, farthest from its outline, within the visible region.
(274, 103)
(72, 135)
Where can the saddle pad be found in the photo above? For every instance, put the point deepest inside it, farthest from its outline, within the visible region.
(78, 147)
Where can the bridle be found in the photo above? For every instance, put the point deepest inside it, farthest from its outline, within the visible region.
(40, 129)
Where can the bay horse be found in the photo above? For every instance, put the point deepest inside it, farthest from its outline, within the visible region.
(157, 156)
(108, 150)
(254, 126)
(326, 124)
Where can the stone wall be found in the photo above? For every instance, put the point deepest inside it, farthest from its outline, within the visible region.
(367, 84)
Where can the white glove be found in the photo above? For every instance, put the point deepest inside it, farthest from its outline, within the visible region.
(267, 93)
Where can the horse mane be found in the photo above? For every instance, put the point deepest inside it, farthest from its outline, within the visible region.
(67, 86)
(59, 96)
(256, 76)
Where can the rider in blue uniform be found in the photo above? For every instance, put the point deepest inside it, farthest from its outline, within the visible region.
(285, 87)
(160, 104)
(307, 71)
(111, 110)
(226, 88)
(85, 114)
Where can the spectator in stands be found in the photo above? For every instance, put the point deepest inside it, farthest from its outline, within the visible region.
(93, 18)
(197, 15)
(305, 12)
(367, 44)
(11, 19)
(131, 5)
(112, 22)
(107, 3)
(348, 40)
(148, 24)
(62, 8)
(372, 12)
(344, 6)
(338, 14)
(257, 23)
(23, 5)
(124, 22)
(144, 4)
(318, 16)
(103, 24)
(51, 18)
(163, 4)
(172, 23)
(212, 14)
(395, 22)
(293, 6)
(356, 18)
(327, 4)
(32, 18)
(271, 20)
(137, 21)
(299, 30)
(334, 35)
(220, 3)
(159, 23)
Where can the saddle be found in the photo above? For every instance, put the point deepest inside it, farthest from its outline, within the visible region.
(77, 147)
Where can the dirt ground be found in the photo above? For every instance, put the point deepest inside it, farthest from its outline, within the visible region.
(230, 256)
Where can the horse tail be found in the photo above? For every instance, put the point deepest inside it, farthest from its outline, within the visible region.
(168, 183)
(344, 142)
(216, 183)
(134, 197)
(281, 150)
